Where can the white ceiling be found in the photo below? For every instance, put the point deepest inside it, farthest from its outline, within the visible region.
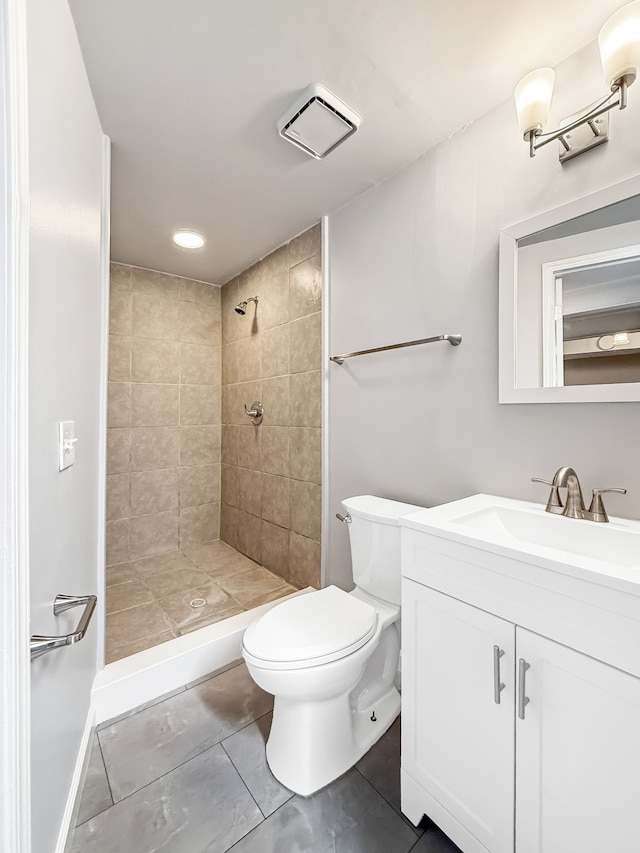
(190, 92)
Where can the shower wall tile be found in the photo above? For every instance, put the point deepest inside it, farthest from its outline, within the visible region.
(229, 453)
(250, 491)
(230, 319)
(154, 317)
(154, 447)
(199, 524)
(155, 361)
(230, 363)
(155, 283)
(305, 288)
(275, 549)
(306, 399)
(119, 359)
(199, 324)
(274, 308)
(118, 450)
(120, 312)
(230, 397)
(199, 364)
(249, 535)
(304, 561)
(305, 245)
(249, 359)
(199, 484)
(163, 442)
(305, 348)
(153, 534)
(118, 541)
(305, 454)
(119, 404)
(275, 351)
(305, 508)
(249, 446)
(199, 404)
(275, 499)
(275, 450)
(154, 405)
(154, 491)
(270, 486)
(120, 278)
(275, 399)
(199, 445)
(118, 505)
(229, 484)
(229, 524)
(200, 292)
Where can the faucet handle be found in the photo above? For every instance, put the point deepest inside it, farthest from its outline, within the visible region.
(596, 511)
(554, 504)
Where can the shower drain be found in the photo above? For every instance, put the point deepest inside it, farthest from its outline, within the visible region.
(198, 602)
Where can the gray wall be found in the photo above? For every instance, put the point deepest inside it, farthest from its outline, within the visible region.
(418, 256)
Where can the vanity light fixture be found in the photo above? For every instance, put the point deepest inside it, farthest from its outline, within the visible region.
(619, 43)
(188, 239)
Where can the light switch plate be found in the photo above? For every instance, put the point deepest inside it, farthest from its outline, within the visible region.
(66, 444)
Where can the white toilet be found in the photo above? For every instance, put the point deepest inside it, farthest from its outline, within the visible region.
(330, 658)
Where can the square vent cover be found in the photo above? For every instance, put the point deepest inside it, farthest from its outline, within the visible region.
(318, 122)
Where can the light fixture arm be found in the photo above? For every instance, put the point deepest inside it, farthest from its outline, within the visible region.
(538, 139)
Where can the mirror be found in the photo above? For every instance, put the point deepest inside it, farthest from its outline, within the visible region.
(570, 302)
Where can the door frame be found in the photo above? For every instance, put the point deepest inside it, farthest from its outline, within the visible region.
(15, 712)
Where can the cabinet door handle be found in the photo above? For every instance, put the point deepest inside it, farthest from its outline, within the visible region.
(498, 685)
(523, 700)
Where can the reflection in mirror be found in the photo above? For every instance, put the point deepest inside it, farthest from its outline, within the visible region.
(574, 296)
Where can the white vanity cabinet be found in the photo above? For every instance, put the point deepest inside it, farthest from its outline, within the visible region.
(521, 704)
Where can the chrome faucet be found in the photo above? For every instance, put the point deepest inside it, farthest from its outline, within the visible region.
(566, 478)
(574, 505)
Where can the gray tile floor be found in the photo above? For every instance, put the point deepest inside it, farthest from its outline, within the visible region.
(150, 601)
(188, 775)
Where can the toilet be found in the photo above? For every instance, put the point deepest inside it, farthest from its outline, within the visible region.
(330, 658)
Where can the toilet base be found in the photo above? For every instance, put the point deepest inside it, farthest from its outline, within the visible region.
(311, 744)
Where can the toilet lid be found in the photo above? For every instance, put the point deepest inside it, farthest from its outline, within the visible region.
(325, 624)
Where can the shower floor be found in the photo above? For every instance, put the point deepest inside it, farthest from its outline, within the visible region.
(159, 598)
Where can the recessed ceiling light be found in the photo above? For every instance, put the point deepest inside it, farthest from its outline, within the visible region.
(188, 239)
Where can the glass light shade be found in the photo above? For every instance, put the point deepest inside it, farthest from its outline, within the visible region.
(619, 42)
(188, 239)
(533, 99)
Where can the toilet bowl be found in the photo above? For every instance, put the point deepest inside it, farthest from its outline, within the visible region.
(330, 658)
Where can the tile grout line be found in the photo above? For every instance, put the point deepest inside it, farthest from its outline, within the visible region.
(264, 817)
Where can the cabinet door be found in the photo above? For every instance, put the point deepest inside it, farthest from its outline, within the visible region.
(577, 753)
(458, 742)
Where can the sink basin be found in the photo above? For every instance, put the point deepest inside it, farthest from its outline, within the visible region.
(608, 542)
(501, 524)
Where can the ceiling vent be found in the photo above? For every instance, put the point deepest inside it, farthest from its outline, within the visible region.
(318, 122)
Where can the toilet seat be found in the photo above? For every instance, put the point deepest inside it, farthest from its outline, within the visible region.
(310, 630)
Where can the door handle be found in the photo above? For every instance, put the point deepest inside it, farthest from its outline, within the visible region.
(498, 686)
(40, 645)
(523, 699)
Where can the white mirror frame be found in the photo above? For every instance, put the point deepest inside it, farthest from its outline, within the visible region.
(508, 304)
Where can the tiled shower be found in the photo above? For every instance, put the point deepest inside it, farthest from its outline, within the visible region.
(185, 466)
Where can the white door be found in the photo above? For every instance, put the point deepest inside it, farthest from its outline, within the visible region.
(458, 725)
(577, 753)
(58, 365)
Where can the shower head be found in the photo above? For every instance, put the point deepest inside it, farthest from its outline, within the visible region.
(242, 307)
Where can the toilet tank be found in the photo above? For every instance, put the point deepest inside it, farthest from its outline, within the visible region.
(374, 534)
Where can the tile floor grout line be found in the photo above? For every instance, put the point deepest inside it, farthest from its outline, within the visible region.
(382, 796)
(264, 817)
(104, 764)
(282, 805)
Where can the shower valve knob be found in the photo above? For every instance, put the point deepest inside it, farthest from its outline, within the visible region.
(256, 412)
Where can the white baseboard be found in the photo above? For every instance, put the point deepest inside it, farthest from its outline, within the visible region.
(130, 682)
(77, 780)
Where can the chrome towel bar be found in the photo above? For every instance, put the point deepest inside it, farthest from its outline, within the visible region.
(454, 340)
(40, 645)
